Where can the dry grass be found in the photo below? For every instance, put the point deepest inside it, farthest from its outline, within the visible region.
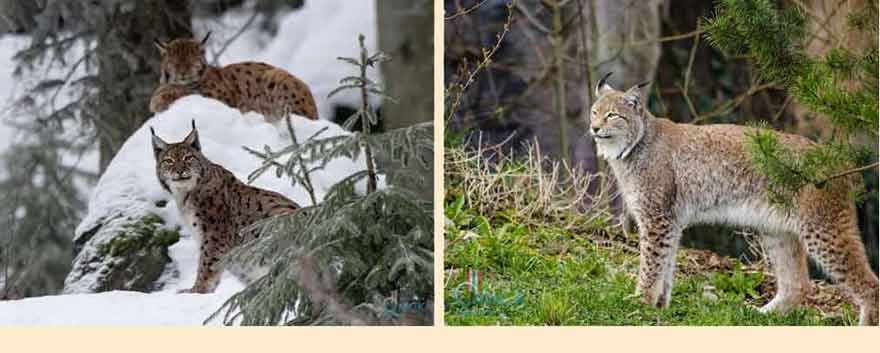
(528, 187)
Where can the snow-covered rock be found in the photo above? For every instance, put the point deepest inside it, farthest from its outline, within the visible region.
(128, 193)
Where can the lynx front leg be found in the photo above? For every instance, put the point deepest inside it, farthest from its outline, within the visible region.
(658, 243)
(209, 270)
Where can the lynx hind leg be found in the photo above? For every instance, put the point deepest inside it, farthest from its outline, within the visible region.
(669, 278)
(831, 235)
(164, 95)
(788, 258)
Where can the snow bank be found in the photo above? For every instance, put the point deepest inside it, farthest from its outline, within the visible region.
(115, 308)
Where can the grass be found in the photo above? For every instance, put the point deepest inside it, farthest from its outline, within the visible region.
(537, 270)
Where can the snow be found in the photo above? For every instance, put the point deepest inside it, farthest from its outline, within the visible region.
(115, 308)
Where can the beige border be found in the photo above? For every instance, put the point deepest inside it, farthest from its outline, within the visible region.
(438, 338)
(439, 182)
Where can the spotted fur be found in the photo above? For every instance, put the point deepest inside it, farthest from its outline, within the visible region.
(213, 203)
(674, 175)
(247, 86)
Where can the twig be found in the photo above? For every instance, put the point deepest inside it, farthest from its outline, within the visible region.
(822, 182)
(307, 180)
(695, 33)
(487, 58)
(235, 36)
(463, 12)
(730, 105)
(530, 18)
(69, 74)
(687, 75)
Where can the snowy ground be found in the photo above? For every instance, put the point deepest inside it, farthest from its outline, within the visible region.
(115, 308)
(307, 44)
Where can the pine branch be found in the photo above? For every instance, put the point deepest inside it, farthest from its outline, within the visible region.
(822, 182)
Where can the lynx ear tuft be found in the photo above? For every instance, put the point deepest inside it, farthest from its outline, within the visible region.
(205, 40)
(193, 138)
(159, 45)
(602, 87)
(158, 144)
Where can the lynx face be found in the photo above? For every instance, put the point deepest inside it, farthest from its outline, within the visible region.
(617, 120)
(183, 60)
(179, 166)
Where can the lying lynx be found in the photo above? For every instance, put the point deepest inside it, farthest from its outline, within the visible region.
(247, 86)
(213, 202)
(674, 175)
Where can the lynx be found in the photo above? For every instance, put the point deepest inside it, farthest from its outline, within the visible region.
(673, 175)
(247, 86)
(212, 202)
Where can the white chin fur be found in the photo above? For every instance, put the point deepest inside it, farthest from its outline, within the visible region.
(182, 186)
(609, 149)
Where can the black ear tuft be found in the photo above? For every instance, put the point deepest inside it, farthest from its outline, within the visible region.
(193, 138)
(602, 87)
(159, 45)
(603, 79)
(158, 144)
(205, 40)
(643, 84)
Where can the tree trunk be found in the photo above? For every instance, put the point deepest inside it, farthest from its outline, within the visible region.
(128, 67)
(405, 31)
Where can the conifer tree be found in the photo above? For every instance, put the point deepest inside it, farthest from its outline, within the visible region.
(840, 86)
(355, 258)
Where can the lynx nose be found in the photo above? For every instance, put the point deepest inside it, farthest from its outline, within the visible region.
(595, 129)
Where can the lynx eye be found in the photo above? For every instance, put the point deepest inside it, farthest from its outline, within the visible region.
(189, 158)
(612, 116)
(167, 161)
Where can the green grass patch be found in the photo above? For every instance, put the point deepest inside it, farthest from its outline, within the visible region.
(540, 275)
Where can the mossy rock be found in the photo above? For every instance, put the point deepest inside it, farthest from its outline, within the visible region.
(136, 257)
(144, 234)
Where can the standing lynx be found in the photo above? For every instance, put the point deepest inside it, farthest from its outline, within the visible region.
(247, 86)
(674, 175)
(212, 202)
